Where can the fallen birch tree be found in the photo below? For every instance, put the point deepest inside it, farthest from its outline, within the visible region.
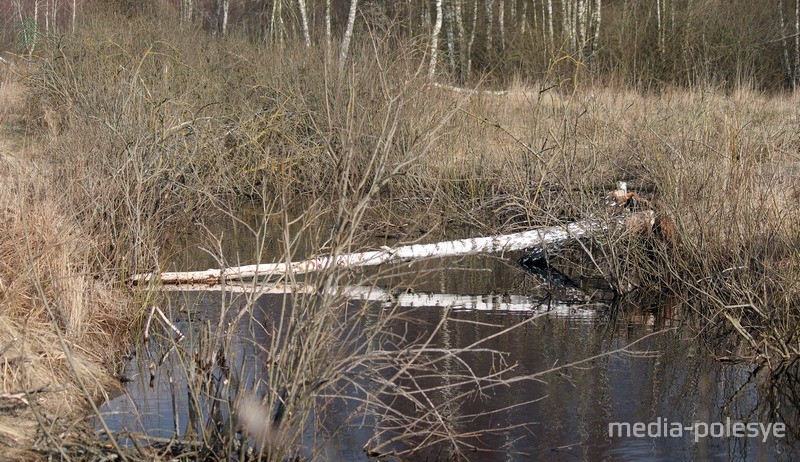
(539, 240)
(538, 243)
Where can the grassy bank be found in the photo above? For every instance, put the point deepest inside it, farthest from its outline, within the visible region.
(134, 133)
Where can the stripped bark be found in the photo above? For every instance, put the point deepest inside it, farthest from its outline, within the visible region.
(533, 239)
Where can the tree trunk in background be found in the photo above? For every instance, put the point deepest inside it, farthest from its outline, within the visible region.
(796, 44)
(74, 13)
(451, 38)
(226, 7)
(489, 21)
(304, 21)
(790, 77)
(598, 4)
(328, 29)
(472, 38)
(276, 21)
(461, 34)
(524, 18)
(550, 28)
(660, 25)
(435, 40)
(348, 34)
(501, 12)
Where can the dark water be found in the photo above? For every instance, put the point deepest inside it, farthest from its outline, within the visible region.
(667, 378)
(664, 380)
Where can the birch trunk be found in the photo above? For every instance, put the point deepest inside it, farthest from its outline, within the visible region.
(538, 240)
(598, 4)
(489, 24)
(327, 29)
(348, 34)
(660, 25)
(304, 21)
(226, 6)
(74, 13)
(435, 40)
(550, 20)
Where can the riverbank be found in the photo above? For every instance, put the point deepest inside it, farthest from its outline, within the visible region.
(118, 140)
(61, 322)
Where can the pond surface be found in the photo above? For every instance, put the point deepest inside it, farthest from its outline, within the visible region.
(665, 380)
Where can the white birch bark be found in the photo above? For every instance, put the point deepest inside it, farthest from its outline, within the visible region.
(226, 6)
(524, 18)
(304, 21)
(435, 40)
(660, 25)
(74, 13)
(348, 34)
(327, 29)
(550, 28)
(582, 17)
(598, 4)
(534, 239)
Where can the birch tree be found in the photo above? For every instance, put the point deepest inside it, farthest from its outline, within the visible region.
(74, 13)
(489, 23)
(327, 29)
(501, 12)
(348, 34)
(304, 21)
(437, 27)
(226, 6)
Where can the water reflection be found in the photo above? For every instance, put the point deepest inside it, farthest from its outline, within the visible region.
(560, 416)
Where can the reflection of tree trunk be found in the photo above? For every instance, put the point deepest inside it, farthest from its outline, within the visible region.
(435, 40)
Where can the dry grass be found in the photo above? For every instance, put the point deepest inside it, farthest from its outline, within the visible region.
(60, 322)
(143, 135)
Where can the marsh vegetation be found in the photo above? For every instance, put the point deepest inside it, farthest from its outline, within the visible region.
(131, 130)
